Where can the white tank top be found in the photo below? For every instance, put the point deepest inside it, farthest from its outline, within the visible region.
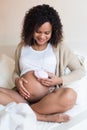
(31, 59)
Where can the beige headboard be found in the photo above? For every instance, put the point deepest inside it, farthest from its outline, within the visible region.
(8, 50)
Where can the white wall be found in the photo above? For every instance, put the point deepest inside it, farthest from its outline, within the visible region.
(72, 12)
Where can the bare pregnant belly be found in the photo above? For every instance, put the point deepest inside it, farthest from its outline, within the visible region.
(34, 87)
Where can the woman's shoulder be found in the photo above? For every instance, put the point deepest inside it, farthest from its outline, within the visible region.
(20, 45)
(19, 48)
(62, 47)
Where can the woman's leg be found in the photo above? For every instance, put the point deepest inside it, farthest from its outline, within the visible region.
(60, 117)
(8, 95)
(58, 101)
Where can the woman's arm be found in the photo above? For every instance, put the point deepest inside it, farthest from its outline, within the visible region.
(19, 81)
(70, 60)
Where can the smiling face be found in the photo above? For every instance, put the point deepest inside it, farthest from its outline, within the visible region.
(43, 34)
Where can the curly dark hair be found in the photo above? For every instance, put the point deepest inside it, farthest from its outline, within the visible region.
(37, 16)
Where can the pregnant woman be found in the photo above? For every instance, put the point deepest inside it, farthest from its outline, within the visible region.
(42, 51)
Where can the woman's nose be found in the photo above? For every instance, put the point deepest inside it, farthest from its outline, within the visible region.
(42, 35)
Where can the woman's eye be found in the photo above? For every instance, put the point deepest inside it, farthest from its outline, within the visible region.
(37, 31)
(47, 33)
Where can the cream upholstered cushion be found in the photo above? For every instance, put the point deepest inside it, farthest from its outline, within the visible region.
(6, 70)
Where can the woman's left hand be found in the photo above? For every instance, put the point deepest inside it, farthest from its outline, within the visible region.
(51, 81)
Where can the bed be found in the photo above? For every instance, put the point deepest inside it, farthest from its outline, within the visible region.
(21, 117)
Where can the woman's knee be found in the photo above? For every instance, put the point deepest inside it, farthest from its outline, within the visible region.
(70, 95)
(67, 97)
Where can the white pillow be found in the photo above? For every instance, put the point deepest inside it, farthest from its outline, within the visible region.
(6, 70)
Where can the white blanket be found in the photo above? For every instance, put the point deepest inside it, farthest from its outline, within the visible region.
(21, 117)
(17, 117)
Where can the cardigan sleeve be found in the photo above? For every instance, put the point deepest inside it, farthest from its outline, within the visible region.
(16, 72)
(69, 60)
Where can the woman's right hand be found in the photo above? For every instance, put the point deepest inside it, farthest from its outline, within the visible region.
(20, 85)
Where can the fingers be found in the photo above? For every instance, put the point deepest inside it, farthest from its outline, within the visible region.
(24, 92)
(22, 89)
(52, 81)
(24, 80)
(46, 82)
